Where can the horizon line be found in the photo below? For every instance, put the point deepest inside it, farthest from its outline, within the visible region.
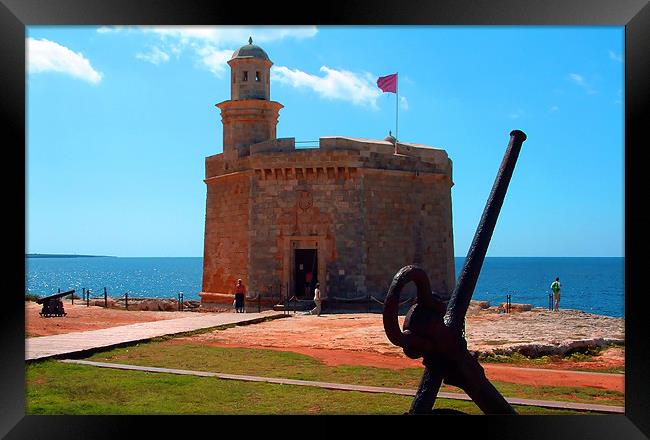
(201, 256)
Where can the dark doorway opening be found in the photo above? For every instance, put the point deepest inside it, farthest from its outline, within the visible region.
(306, 272)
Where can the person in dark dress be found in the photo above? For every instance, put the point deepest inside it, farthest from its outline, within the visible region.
(240, 292)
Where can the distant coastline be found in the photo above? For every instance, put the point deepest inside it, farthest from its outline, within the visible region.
(66, 256)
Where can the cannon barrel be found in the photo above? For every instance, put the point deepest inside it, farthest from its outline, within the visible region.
(462, 294)
(55, 296)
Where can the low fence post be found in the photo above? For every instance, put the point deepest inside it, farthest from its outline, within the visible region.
(87, 297)
(72, 298)
(259, 303)
(126, 300)
(105, 298)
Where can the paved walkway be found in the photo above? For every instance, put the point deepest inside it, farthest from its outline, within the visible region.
(70, 343)
(348, 387)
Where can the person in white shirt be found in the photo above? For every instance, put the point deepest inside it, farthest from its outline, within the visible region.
(317, 300)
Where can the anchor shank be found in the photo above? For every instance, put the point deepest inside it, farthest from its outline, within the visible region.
(425, 397)
(460, 298)
(470, 376)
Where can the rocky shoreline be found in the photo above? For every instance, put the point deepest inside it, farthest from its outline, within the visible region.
(536, 332)
(145, 304)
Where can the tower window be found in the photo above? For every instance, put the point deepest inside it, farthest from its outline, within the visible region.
(258, 77)
(245, 75)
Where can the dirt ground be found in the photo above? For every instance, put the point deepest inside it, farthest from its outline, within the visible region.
(352, 339)
(81, 318)
(359, 339)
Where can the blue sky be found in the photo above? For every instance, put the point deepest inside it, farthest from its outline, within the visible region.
(120, 120)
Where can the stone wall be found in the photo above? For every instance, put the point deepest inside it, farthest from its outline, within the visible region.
(250, 89)
(226, 246)
(308, 208)
(247, 122)
(367, 211)
(407, 221)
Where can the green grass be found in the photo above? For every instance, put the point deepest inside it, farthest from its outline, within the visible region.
(271, 363)
(57, 388)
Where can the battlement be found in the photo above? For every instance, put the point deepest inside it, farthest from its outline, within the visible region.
(334, 152)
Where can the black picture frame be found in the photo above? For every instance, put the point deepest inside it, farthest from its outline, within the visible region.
(15, 15)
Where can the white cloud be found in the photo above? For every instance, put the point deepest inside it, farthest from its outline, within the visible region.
(110, 29)
(555, 108)
(47, 56)
(580, 80)
(403, 103)
(615, 57)
(154, 56)
(516, 114)
(229, 35)
(213, 45)
(334, 84)
(577, 78)
(214, 59)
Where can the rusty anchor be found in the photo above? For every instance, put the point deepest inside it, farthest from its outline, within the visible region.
(433, 330)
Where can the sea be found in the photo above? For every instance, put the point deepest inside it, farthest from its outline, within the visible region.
(591, 284)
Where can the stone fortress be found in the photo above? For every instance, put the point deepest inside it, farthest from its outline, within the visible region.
(348, 214)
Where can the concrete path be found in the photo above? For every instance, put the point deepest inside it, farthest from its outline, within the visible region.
(348, 387)
(70, 343)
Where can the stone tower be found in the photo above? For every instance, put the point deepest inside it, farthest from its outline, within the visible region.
(347, 215)
(249, 117)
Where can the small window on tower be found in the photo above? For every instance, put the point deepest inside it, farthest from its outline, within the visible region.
(258, 77)
(245, 76)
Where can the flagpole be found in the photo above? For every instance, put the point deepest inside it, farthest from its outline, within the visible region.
(396, 109)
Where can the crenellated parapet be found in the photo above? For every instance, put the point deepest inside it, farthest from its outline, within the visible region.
(332, 154)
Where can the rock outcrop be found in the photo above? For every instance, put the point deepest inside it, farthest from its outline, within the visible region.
(154, 304)
(541, 332)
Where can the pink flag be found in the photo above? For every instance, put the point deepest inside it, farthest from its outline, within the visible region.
(388, 83)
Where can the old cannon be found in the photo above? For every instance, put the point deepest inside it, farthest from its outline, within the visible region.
(52, 305)
(434, 329)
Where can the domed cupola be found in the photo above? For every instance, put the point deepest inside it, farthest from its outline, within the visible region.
(250, 71)
(250, 51)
